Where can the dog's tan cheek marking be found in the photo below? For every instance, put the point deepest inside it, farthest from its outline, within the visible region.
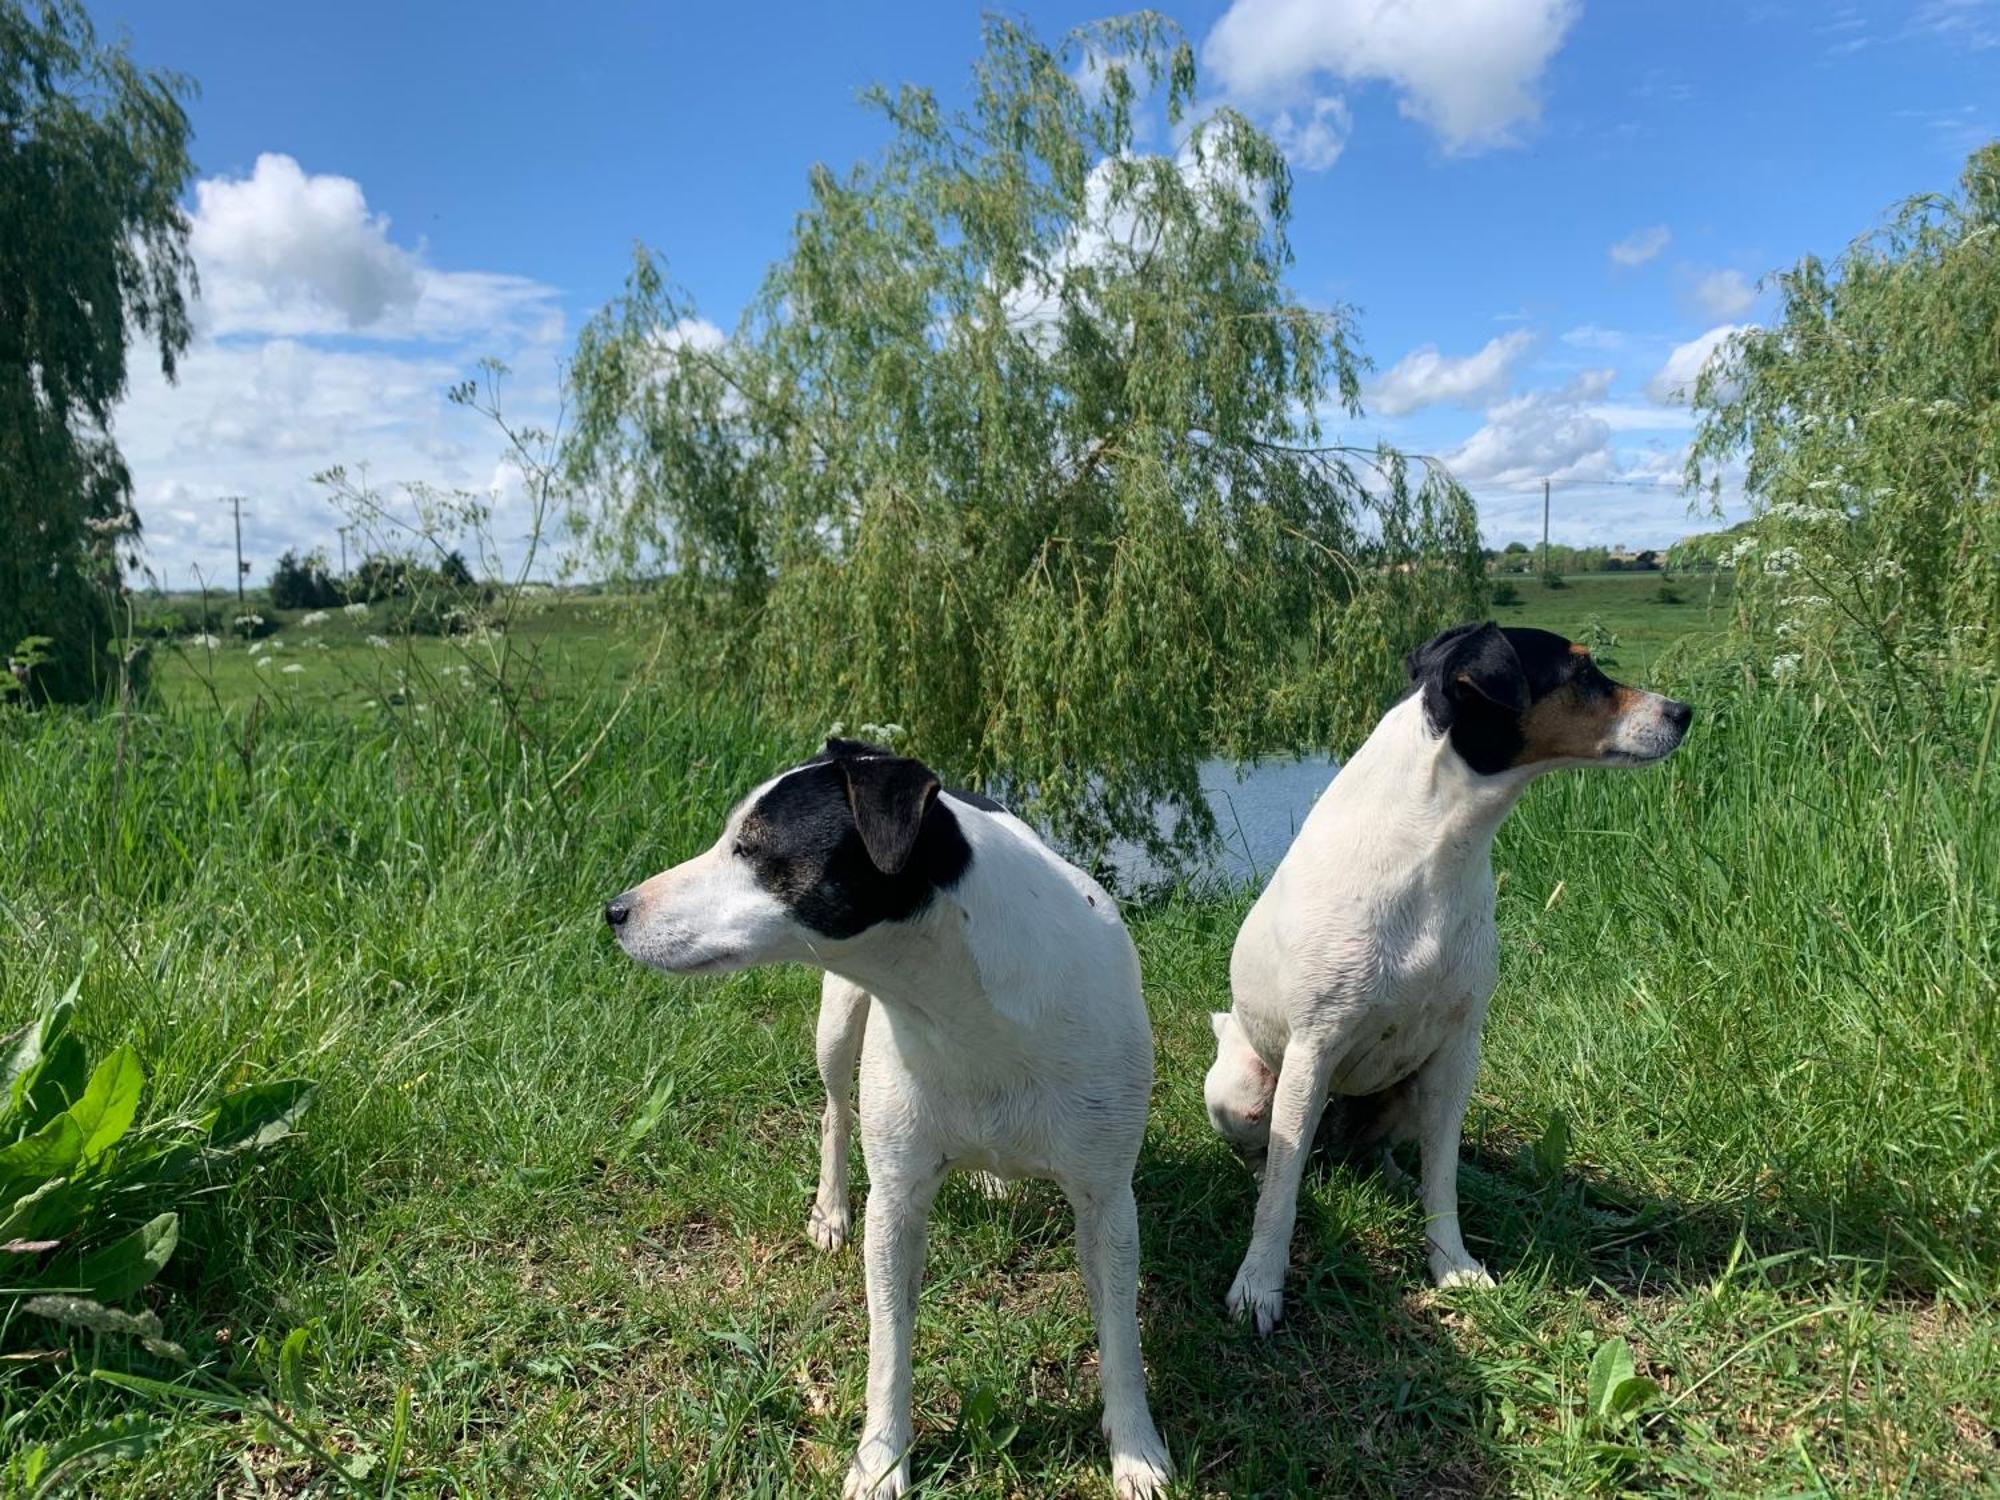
(1560, 727)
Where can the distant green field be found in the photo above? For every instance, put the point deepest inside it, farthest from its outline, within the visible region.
(350, 661)
(346, 660)
(1629, 605)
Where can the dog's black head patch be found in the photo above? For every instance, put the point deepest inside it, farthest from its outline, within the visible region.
(854, 837)
(1516, 697)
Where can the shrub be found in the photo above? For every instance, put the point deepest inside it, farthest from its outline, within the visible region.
(1867, 421)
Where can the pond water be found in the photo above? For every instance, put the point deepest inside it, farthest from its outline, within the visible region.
(1258, 810)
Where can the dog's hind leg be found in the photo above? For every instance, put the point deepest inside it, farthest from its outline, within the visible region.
(843, 1021)
(1107, 1249)
(1259, 1289)
(893, 1263)
(1444, 1087)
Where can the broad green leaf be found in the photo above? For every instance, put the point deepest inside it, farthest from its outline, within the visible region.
(258, 1115)
(1611, 1365)
(648, 1114)
(160, 1390)
(1633, 1395)
(56, 1083)
(18, 1054)
(109, 1102)
(122, 1267)
(47, 1212)
(119, 1440)
(1551, 1152)
(292, 1369)
(52, 1151)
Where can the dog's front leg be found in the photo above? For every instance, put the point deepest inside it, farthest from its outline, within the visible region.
(1259, 1291)
(893, 1265)
(1444, 1087)
(843, 1022)
(1107, 1249)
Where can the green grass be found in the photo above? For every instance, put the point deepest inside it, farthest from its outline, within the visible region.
(1756, 983)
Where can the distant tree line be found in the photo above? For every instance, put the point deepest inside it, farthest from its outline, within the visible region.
(308, 581)
(1519, 557)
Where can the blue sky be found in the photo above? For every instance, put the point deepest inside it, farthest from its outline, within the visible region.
(1544, 210)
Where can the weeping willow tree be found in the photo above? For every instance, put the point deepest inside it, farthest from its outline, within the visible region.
(1020, 448)
(1866, 420)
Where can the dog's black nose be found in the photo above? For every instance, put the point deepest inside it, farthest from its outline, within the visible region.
(617, 910)
(1680, 715)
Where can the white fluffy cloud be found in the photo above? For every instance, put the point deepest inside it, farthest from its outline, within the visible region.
(1592, 336)
(287, 252)
(1546, 434)
(1723, 294)
(1313, 136)
(1673, 383)
(320, 341)
(1424, 377)
(1470, 70)
(1640, 246)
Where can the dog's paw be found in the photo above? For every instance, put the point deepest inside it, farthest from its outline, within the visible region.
(1141, 1472)
(879, 1472)
(1252, 1302)
(829, 1227)
(1466, 1273)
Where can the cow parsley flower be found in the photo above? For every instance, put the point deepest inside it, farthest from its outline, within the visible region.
(1781, 560)
(379, 642)
(358, 610)
(314, 617)
(1784, 666)
(293, 667)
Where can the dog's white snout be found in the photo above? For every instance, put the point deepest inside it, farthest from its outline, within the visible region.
(1653, 727)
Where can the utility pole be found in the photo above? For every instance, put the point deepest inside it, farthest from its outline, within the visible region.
(1545, 527)
(235, 503)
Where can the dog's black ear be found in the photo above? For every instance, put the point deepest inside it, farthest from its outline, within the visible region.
(889, 795)
(1468, 659)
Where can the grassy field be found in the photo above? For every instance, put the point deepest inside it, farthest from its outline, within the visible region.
(1755, 986)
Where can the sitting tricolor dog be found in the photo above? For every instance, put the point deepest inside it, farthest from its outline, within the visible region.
(1365, 967)
(1008, 1036)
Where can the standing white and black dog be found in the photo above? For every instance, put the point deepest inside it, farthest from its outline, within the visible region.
(1009, 1036)
(1365, 967)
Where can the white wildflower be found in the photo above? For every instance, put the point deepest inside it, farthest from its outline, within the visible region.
(293, 667)
(265, 661)
(1784, 666)
(1744, 549)
(205, 642)
(251, 621)
(1781, 560)
(379, 642)
(355, 611)
(314, 617)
